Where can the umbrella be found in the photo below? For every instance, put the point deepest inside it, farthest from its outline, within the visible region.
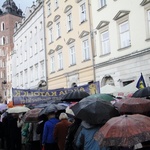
(42, 105)
(133, 105)
(32, 115)
(74, 96)
(52, 108)
(94, 111)
(125, 130)
(3, 107)
(18, 109)
(145, 92)
(105, 97)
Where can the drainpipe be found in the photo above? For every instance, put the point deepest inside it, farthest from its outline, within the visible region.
(46, 69)
(91, 37)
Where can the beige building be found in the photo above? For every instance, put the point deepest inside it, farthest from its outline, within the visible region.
(68, 43)
(121, 31)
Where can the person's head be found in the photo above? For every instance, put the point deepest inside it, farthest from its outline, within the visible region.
(51, 115)
(63, 116)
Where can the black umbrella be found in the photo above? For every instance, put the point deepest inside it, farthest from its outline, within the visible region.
(74, 96)
(52, 108)
(145, 92)
(94, 110)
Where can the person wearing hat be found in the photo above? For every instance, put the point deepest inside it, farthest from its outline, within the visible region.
(61, 130)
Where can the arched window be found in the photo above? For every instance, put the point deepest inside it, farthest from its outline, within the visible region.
(3, 40)
(2, 26)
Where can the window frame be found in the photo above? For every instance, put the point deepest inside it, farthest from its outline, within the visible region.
(58, 29)
(104, 42)
(60, 60)
(101, 3)
(72, 55)
(127, 42)
(82, 12)
(69, 22)
(52, 64)
(85, 50)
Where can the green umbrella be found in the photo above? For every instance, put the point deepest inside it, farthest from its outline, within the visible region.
(105, 97)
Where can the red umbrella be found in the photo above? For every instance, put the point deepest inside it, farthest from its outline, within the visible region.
(133, 105)
(126, 131)
(32, 115)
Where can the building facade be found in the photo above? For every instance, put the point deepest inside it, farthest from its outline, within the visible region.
(68, 43)
(121, 31)
(28, 58)
(10, 15)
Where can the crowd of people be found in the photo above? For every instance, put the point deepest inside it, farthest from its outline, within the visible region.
(51, 132)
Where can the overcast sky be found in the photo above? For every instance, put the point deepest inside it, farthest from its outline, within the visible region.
(20, 3)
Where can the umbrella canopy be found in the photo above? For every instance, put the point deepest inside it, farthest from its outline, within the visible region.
(74, 96)
(32, 115)
(42, 105)
(94, 111)
(52, 108)
(145, 92)
(18, 109)
(125, 130)
(133, 105)
(105, 97)
(3, 107)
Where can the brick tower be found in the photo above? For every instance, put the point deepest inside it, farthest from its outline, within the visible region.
(10, 15)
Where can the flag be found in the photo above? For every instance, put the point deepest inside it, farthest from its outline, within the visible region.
(141, 83)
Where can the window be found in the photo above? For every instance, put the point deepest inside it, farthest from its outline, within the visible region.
(69, 22)
(148, 13)
(51, 35)
(52, 60)
(36, 71)
(2, 26)
(35, 48)
(26, 76)
(124, 34)
(42, 69)
(102, 3)
(83, 12)
(72, 56)
(49, 8)
(31, 74)
(86, 55)
(58, 29)
(25, 55)
(17, 79)
(41, 44)
(60, 61)
(21, 78)
(105, 42)
(3, 40)
(35, 30)
(40, 26)
(31, 52)
(30, 34)
(56, 4)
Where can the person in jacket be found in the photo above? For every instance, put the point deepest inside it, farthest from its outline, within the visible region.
(71, 134)
(40, 126)
(84, 139)
(61, 130)
(48, 140)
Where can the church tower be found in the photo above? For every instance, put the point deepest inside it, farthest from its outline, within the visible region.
(10, 16)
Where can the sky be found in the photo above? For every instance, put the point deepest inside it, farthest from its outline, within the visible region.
(20, 4)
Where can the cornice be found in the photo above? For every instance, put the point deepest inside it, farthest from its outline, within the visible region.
(123, 58)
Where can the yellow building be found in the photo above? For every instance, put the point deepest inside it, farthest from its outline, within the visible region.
(68, 43)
